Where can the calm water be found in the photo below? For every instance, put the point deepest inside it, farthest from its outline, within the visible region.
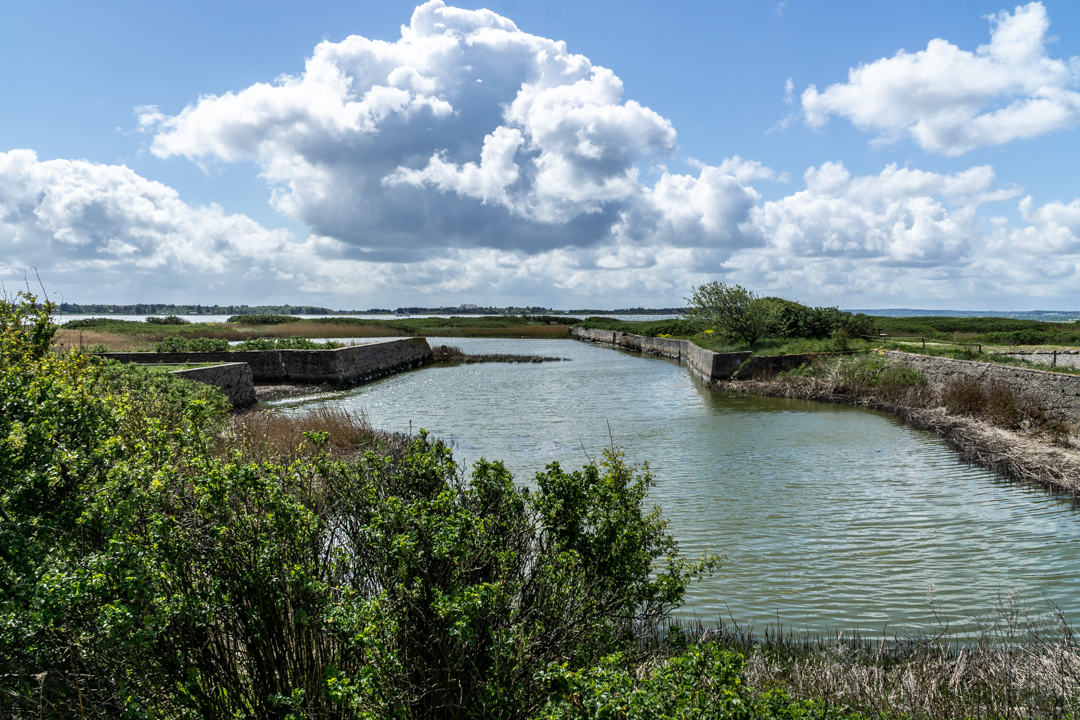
(830, 517)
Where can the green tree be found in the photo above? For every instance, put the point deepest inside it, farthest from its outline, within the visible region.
(739, 314)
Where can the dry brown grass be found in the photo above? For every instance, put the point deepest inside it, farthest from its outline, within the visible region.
(65, 340)
(261, 436)
(514, 331)
(319, 330)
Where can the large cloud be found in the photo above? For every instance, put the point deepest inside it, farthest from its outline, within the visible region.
(465, 132)
(950, 100)
(103, 233)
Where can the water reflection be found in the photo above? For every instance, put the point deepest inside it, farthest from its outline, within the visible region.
(830, 516)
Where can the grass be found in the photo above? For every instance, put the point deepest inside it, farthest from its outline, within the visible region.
(1013, 662)
(453, 355)
(132, 336)
(260, 436)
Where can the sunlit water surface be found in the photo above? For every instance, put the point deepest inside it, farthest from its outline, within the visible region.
(830, 517)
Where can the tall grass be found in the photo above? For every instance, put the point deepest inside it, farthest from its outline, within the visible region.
(261, 436)
(1011, 663)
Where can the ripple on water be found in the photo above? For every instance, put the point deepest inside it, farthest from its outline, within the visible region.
(830, 516)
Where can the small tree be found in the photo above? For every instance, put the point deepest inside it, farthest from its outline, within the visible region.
(737, 312)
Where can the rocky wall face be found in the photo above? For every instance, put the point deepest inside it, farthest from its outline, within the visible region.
(234, 380)
(1059, 392)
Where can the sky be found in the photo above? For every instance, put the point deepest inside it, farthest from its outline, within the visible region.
(563, 154)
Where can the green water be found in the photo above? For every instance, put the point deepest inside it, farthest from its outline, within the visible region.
(831, 517)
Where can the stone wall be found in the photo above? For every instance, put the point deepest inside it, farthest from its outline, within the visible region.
(341, 366)
(234, 379)
(1059, 392)
(705, 363)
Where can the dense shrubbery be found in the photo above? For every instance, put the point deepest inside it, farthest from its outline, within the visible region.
(177, 344)
(145, 574)
(1032, 337)
(652, 328)
(296, 342)
(263, 319)
(793, 320)
(167, 320)
(101, 322)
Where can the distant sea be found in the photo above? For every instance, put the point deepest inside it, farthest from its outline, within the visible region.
(1044, 315)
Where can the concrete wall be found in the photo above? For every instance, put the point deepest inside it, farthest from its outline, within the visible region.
(1059, 392)
(706, 363)
(234, 379)
(341, 366)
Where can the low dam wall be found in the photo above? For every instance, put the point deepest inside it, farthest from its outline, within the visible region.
(1059, 392)
(341, 366)
(234, 380)
(707, 364)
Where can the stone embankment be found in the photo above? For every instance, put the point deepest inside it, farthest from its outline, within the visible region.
(341, 366)
(1063, 358)
(234, 380)
(710, 366)
(1058, 392)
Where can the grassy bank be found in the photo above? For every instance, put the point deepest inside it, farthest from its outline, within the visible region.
(132, 336)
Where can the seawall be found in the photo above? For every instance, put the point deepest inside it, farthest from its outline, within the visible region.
(1058, 392)
(233, 379)
(341, 366)
(710, 366)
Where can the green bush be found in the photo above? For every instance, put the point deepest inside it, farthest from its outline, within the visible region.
(263, 319)
(1032, 337)
(167, 320)
(178, 344)
(147, 572)
(296, 342)
(703, 682)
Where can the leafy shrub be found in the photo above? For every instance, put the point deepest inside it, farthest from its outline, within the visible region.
(703, 682)
(263, 319)
(148, 571)
(738, 313)
(167, 320)
(98, 322)
(1032, 337)
(178, 344)
(296, 342)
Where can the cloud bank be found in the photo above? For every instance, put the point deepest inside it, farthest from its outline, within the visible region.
(470, 161)
(951, 101)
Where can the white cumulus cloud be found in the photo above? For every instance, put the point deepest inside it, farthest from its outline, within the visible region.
(465, 132)
(950, 100)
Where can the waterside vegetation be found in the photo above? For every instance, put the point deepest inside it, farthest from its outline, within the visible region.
(161, 558)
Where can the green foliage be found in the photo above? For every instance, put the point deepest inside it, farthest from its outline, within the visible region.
(146, 574)
(178, 344)
(738, 313)
(930, 326)
(26, 328)
(167, 320)
(703, 682)
(263, 319)
(1032, 337)
(296, 342)
(678, 327)
(794, 320)
(100, 323)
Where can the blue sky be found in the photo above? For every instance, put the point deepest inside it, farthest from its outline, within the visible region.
(562, 154)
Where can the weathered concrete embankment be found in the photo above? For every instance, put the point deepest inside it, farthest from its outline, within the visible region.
(1058, 392)
(710, 366)
(340, 366)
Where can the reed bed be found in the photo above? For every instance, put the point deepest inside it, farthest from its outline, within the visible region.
(66, 340)
(1011, 663)
(261, 436)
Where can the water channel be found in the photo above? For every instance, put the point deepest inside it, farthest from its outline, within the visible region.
(830, 517)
